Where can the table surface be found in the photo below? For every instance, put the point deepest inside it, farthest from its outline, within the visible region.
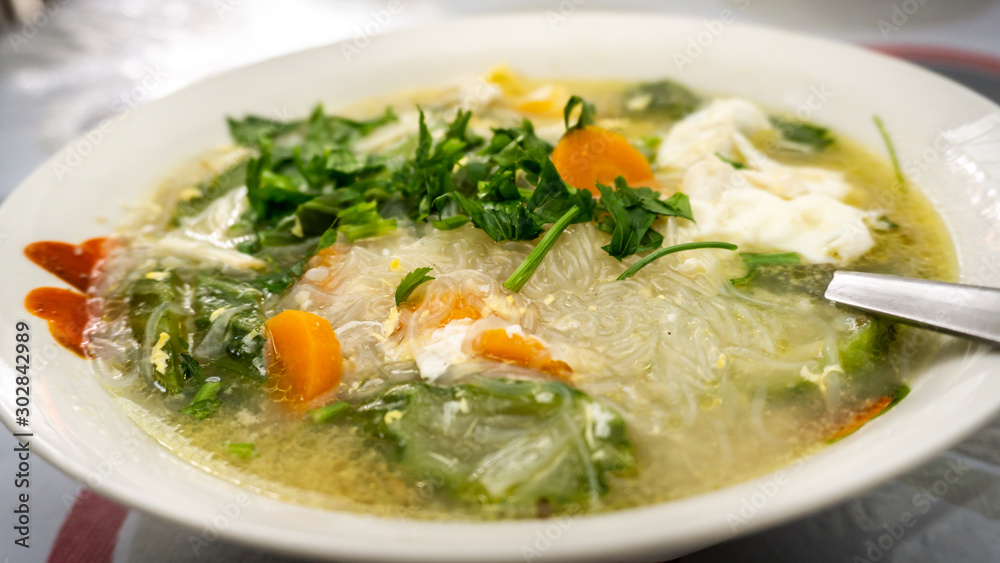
(69, 67)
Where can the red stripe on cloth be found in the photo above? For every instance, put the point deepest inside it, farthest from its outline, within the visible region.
(90, 531)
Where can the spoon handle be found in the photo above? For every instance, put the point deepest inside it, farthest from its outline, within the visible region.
(963, 310)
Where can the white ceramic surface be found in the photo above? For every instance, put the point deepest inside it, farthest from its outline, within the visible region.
(78, 427)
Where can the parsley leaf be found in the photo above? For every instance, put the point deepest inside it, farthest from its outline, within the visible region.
(501, 220)
(630, 213)
(410, 282)
(587, 112)
(429, 175)
(553, 197)
(522, 136)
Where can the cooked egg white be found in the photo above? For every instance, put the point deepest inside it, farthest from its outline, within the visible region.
(766, 206)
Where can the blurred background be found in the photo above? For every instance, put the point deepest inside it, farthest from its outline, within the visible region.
(67, 64)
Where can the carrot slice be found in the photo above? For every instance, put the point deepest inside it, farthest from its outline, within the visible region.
(303, 356)
(528, 351)
(589, 155)
(871, 411)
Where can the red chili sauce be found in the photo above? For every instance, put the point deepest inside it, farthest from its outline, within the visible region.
(65, 309)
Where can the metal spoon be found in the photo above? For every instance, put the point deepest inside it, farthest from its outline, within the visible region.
(963, 310)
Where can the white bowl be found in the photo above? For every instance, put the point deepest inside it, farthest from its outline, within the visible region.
(79, 428)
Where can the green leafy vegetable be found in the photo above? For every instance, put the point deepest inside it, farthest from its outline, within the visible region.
(376, 228)
(552, 198)
(329, 412)
(307, 180)
(587, 113)
(410, 282)
(523, 137)
(362, 220)
(255, 131)
(314, 134)
(307, 173)
(754, 261)
(801, 394)
(501, 220)
(429, 175)
(228, 315)
(630, 216)
(449, 223)
(897, 395)
(900, 178)
(665, 98)
(805, 135)
(498, 441)
(670, 250)
(866, 344)
(159, 326)
(205, 401)
(787, 278)
(282, 279)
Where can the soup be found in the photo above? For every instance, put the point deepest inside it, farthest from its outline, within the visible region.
(511, 298)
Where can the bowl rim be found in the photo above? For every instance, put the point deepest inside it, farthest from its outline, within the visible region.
(630, 538)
